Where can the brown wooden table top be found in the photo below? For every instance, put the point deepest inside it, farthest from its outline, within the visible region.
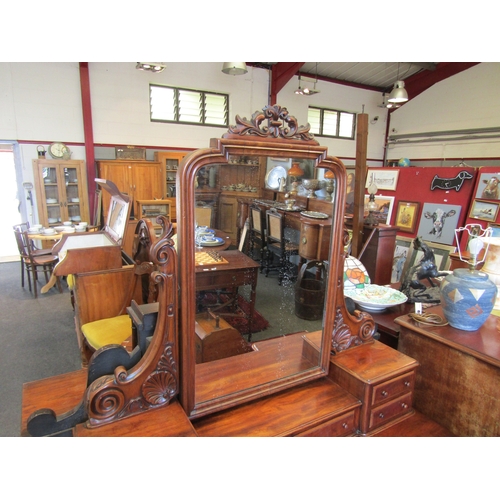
(483, 344)
(235, 260)
(62, 393)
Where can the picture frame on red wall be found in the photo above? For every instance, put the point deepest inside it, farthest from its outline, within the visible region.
(407, 216)
(484, 210)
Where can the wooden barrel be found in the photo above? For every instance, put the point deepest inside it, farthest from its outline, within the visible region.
(310, 293)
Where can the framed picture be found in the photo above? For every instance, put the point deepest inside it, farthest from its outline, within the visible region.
(402, 254)
(406, 216)
(384, 179)
(349, 199)
(441, 255)
(385, 205)
(488, 186)
(495, 230)
(484, 210)
(438, 222)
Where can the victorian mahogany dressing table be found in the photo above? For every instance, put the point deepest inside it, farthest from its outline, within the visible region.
(283, 387)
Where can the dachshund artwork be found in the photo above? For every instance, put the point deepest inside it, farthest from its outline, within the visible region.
(453, 183)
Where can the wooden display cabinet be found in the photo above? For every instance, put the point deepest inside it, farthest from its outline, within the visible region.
(241, 178)
(150, 209)
(140, 180)
(61, 191)
(171, 162)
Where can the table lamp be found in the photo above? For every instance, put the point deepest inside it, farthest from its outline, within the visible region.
(370, 220)
(295, 173)
(468, 295)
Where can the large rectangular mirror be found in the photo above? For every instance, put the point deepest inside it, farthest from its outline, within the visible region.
(215, 267)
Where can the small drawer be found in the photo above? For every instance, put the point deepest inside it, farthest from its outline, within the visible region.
(204, 280)
(390, 410)
(341, 426)
(392, 388)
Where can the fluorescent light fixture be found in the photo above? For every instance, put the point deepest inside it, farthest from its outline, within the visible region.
(234, 68)
(398, 94)
(153, 67)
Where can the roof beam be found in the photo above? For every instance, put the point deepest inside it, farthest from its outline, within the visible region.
(281, 74)
(420, 82)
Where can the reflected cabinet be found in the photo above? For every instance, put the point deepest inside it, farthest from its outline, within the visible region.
(61, 188)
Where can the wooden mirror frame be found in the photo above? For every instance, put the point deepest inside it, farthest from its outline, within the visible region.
(281, 138)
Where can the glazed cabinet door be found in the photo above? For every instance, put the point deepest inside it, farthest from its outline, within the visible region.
(62, 193)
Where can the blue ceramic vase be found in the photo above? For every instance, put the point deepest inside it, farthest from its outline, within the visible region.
(467, 298)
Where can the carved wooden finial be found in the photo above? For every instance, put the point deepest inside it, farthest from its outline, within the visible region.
(279, 125)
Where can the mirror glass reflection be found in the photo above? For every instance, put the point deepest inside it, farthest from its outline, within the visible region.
(256, 297)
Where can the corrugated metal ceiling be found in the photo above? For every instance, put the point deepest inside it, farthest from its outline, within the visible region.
(380, 75)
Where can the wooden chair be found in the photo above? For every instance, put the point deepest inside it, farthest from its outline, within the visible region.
(22, 227)
(278, 246)
(203, 216)
(102, 298)
(257, 229)
(34, 261)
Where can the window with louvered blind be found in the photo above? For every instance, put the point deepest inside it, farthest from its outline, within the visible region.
(196, 107)
(331, 123)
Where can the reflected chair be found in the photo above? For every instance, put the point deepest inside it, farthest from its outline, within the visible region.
(34, 261)
(203, 216)
(278, 246)
(257, 230)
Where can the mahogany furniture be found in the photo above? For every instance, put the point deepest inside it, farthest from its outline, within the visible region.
(34, 262)
(378, 252)
(99, 250)
(270, 133)
(458, 382)
(279, 388)
(129, 390)
(139, 180)
(63, 392)
(379, 376)
(61, 191)
(236, 270)
(278, 246)
(314, 234)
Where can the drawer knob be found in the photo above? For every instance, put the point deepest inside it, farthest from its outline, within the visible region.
(407, 384)
(304, 240)
(344, 425)
(381, 415)
(404, 405)
(384, 393)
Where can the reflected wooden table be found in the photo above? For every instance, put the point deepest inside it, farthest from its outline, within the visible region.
(237, 270)
(45, 237)
(218, 248)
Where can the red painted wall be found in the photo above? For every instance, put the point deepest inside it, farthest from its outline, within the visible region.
(414, 184)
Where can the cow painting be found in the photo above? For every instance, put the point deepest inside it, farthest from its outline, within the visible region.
(491, 190)
(438, 218)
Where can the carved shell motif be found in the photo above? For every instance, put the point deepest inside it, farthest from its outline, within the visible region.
(341, 336)
(276, 117)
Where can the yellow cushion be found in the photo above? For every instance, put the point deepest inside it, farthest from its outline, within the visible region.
(70, 280)
(107, 331)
